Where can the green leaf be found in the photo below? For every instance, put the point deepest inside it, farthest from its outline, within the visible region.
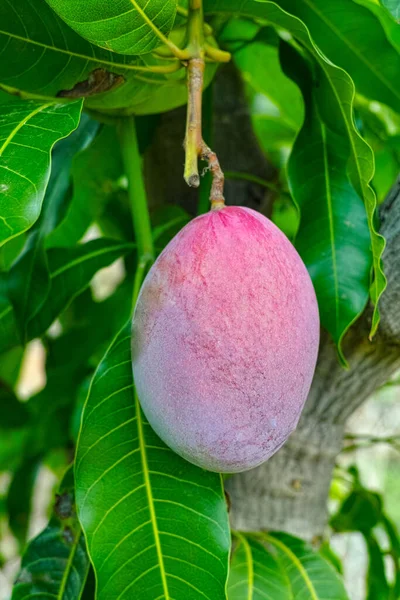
(276, 103)
(14, 427)
(28, 132)
(43, 57)
(377, 583)
(14, 413)
(254, 61)
(94, 174)
(127, 27)
(9, 336)
(360, 511)
(333, 237)
(353, 38)
(341, 90)
(278, 565)
(310, 576)
(154, 523)
(10, 250)
(55, 563)
(19, 498)
(330, 556)
(29, 278)
(10, 365)
(254, 572)
(71, 270)
(167, 221)
(394, 539)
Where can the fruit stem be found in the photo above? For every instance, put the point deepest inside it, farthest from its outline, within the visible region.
(217, 187)
(195, 146)
(137, 198)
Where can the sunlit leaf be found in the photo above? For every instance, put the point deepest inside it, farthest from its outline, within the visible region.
(28, 131)
(128, 26)
(353, 38)
(43, 57)
(29, 277)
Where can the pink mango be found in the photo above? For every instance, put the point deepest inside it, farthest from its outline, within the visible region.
(225, 340)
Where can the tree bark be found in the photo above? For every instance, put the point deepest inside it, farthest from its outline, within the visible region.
(290, 491)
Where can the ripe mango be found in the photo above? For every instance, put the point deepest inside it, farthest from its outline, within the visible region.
(225, 340)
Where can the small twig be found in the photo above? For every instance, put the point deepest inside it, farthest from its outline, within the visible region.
(217, 187)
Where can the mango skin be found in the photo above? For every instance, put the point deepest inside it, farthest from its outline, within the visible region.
(225, 340)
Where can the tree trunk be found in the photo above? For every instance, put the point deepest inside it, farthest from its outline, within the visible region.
(290, 491)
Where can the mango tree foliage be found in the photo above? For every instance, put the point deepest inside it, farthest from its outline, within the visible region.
(321, 81)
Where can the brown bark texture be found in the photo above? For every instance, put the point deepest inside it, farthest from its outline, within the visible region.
(290, 491)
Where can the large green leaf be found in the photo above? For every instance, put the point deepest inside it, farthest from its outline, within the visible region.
(333, 237)
(255, 60)
(20, 496)
(361, 164)
(360, 511)
(55, 564)
(354, 39)
(28, 131)
(29, 278)
(94, 175)
(156, 525)
(42, 56)
(282, 567)
(127, 26)
(9, 335)
(310, 576)
(71, 270)
(277, 105)
(14, 425)
(254, 572)
(378, 587)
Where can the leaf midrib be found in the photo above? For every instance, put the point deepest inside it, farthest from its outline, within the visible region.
(353, 48)
(69, 53)
(330, 219)
(70, 266)
(86, 257)
(364, 184)
(68, 567)
(296, 562)
(150, 499)
(22, 123)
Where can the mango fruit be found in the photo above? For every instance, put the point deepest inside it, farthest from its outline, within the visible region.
(225, 340)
